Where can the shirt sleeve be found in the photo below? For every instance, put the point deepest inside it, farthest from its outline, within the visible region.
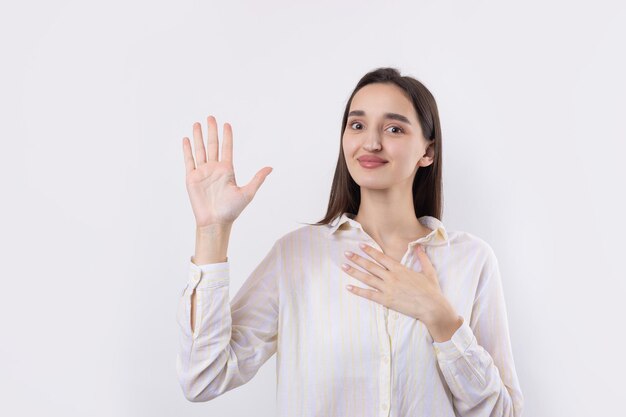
(232, 340)
(477, 362)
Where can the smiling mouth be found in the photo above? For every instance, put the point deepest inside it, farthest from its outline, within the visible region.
(371, 164)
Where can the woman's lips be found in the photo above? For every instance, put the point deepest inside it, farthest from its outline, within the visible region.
(371, 164)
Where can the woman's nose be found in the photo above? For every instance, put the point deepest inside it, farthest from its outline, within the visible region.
(372, 141)
(371, 145)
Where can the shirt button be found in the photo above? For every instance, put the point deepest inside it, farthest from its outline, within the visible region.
(384, 406)
(386, 359)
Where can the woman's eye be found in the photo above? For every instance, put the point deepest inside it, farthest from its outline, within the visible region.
(354, 123)
(396, 127)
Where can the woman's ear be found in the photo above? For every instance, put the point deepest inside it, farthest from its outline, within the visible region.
(429, 156)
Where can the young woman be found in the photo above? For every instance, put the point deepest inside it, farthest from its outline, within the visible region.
(411, 323)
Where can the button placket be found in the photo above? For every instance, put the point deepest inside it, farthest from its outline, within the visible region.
(385, 370)
(385, 344)
(384, 365)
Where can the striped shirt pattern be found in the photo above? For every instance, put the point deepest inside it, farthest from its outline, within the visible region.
(340, 354)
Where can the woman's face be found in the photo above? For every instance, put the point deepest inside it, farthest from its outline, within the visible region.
(382, 122)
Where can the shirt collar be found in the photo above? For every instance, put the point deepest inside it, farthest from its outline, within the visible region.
(439, 235)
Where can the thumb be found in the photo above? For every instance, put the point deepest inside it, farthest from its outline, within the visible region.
(253, 186)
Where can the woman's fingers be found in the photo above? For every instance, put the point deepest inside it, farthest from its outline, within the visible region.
(227, 143)
(190, 165)
(212, 142)
(199, 144)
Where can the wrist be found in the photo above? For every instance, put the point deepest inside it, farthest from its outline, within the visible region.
(211, 244)
(443, 321)
(214, 229)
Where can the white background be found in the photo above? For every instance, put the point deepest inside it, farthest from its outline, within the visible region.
(97, 229)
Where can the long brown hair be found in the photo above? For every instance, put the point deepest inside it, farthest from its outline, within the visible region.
(345, 193)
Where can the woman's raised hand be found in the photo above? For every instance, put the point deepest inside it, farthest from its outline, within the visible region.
(213, 191)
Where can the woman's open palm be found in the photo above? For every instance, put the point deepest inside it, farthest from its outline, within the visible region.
(213, 191)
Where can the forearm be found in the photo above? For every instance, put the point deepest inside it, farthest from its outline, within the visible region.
(469, 369)
(211, 247)
(230, 340)
(478, 388)
(201, 351)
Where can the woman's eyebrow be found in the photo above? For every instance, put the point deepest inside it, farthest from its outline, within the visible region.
(393, 116)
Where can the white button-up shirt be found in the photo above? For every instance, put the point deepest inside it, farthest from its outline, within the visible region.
(340, 354)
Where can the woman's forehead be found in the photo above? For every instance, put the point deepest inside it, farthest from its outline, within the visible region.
(378, 100)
